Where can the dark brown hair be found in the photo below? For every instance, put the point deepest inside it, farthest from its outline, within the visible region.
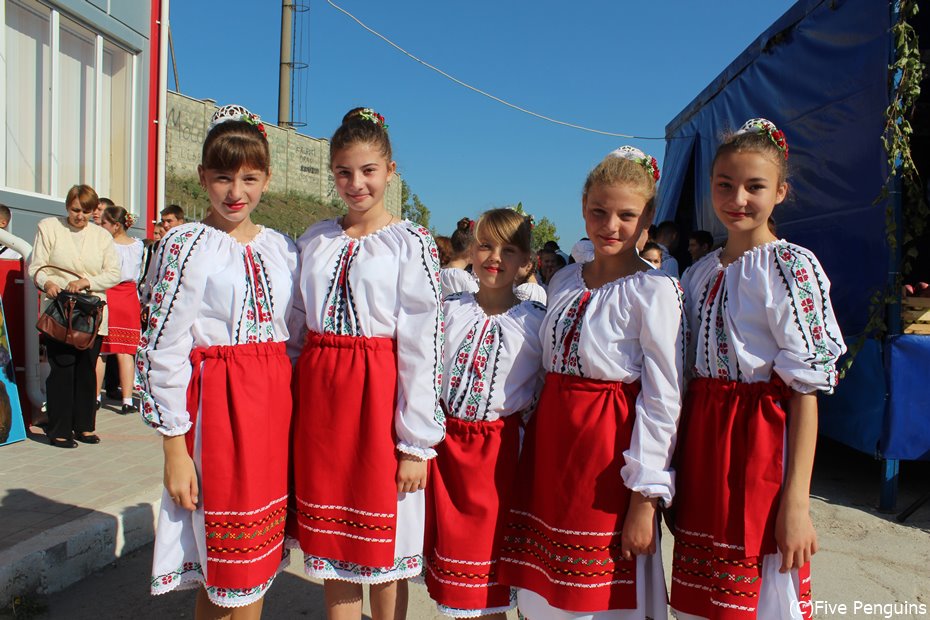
(116, 215)
(358, 130)
(85, 195)
(234, 144)
(461, 239)
(750, 142)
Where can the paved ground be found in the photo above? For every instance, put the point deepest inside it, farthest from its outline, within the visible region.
(43, 487)
(51, 496)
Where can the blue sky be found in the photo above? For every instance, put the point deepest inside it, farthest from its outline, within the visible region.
(615, 65)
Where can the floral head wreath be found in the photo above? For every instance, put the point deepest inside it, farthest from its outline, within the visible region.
(370, 115)
(130, 220)
(761, 125)
(634, 154)
(236, 113)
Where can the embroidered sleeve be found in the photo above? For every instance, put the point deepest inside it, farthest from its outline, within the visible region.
(163, 368)
(663, 339)
(803, 322)
(419, 421)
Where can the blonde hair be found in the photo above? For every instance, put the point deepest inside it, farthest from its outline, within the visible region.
(621, 171)
(503, 227)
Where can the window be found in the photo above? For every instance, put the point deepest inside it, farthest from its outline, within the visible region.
(28, 109)
(68, 100)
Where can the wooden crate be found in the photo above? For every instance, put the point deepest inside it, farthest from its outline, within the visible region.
(915, 314)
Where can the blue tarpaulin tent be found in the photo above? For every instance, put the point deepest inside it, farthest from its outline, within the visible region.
(821, 74)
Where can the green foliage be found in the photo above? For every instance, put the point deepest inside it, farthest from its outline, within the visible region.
(906, 74)
(412, 208)
(543, 230)
(287, 212)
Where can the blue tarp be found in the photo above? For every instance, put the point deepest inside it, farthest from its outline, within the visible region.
(821, 74)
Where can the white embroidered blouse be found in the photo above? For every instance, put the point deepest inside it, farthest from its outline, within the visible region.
(530, 291)
(767, 311)
(493, 364)
(383, 285)
(454, 280)
(631, 329)
(208, 290)
(130, 257)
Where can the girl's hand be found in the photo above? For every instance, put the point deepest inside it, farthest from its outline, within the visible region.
(794, 534)
(52, 289)
(180, 474)
(411, 473)
(638, 537)
(76, 286)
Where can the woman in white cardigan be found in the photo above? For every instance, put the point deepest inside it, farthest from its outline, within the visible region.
(74, 244)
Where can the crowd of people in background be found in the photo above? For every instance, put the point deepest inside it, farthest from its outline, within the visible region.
(90, 249)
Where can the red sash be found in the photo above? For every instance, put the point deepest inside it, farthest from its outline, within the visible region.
(563, 536)
(345, 464)
(470, 481)
(729, 469)
(242, 396)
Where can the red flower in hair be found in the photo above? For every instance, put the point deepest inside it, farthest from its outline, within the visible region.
(778, 137)
(655, 168)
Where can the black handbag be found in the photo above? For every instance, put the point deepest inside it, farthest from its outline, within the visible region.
(72, 318)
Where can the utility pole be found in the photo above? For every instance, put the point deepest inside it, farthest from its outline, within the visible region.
(284, 81)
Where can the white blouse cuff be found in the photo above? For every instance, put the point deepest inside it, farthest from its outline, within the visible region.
(424, 453)
(174, 432)
(648, 482)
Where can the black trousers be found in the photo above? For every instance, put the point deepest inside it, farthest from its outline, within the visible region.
(71, 389)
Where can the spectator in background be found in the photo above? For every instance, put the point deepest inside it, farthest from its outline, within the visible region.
(554, 246)
(158, 231)
(123, 301)
(171, 216)
(525, 286)
(700, 242)
(7, 253)
(652, 254)
(102, 204)
(444, 247)
(549, 263)
(71, 243)
(667, 239)
(454, 277)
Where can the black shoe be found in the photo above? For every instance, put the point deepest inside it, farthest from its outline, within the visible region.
(62, 443)
(86, 438)
(127, 409)
(99, 402)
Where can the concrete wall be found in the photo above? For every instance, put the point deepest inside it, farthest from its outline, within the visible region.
(299, 163)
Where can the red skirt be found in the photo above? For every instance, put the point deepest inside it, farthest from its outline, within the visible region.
(729, 476)
(563, 535)
(242, 396)
(470, 481)
(123, 319)
(345, 463)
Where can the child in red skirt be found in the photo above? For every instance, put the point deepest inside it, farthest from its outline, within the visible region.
(765, 340)
(582, 534)
(215, 381)
(366, 385)
(493, 373)
(123, 302)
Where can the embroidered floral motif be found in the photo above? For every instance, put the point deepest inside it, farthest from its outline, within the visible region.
(340, 306)
(324, 568)
(568, 335)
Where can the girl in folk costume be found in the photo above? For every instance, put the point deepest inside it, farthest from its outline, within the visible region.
(221, 314)
(582, 534)
(123, 300)
(367, 384)
(454, 276)
(493, 372)
(765, 341)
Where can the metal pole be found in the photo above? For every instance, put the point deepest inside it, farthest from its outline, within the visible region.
(284, 83)
(174, 62)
